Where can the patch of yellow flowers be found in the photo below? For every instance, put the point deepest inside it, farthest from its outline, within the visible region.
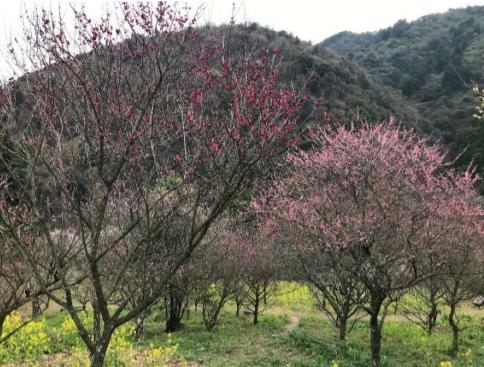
(35, 339)
(29, 342)
(290, 293)
(162, 355)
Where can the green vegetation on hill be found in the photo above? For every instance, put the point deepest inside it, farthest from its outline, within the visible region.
(412, 57)
(433, 62)
(346, 92)
(420, 72)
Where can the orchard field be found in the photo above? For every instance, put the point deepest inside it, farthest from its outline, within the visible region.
(290, 332)
(160, 178)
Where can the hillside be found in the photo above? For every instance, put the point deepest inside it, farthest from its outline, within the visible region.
(421, 73)
(339, 90)
(433, 62)
(347, 91)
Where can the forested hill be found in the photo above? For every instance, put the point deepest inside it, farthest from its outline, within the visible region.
(339, 90)
(434, 62)
(347, 92)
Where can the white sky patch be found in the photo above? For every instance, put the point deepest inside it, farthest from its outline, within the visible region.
(310, 20)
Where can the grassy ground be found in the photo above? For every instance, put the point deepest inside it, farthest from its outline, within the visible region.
(314, 343)
(290, 333)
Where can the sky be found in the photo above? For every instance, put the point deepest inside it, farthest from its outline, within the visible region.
(310, 20)
(314, 20)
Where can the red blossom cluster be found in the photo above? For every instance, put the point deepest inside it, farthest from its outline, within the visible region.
(137, 136)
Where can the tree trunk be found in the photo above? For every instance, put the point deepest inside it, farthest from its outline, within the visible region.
(238, 305)
(256, 308)
(342, 326)
(210, 314)
(3, 316)
(140, 329)
(342, 319)
(98, 355)
(173, 324)
(455, 330)
(173, 321)
(375, 328)
(211, 309)
(239, 300)
(375, 340)
(175, 308)
(36, 309)
(140, 325)
(432, 318)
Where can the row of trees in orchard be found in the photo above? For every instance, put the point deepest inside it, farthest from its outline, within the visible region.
(237, 265)
(125, 152)
(374, 211)
(122, 150)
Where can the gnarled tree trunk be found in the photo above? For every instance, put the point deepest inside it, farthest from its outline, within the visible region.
(455, 331)
(376, 302)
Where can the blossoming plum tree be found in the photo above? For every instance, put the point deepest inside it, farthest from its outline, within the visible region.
(18, 284)
(383, 196)
(261, 270)
(15, 279)
(461, 261)
(135, 138)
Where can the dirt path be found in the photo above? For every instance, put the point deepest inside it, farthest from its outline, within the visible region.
(294, 318)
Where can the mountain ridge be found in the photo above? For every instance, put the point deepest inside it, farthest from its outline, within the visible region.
(433, 62)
